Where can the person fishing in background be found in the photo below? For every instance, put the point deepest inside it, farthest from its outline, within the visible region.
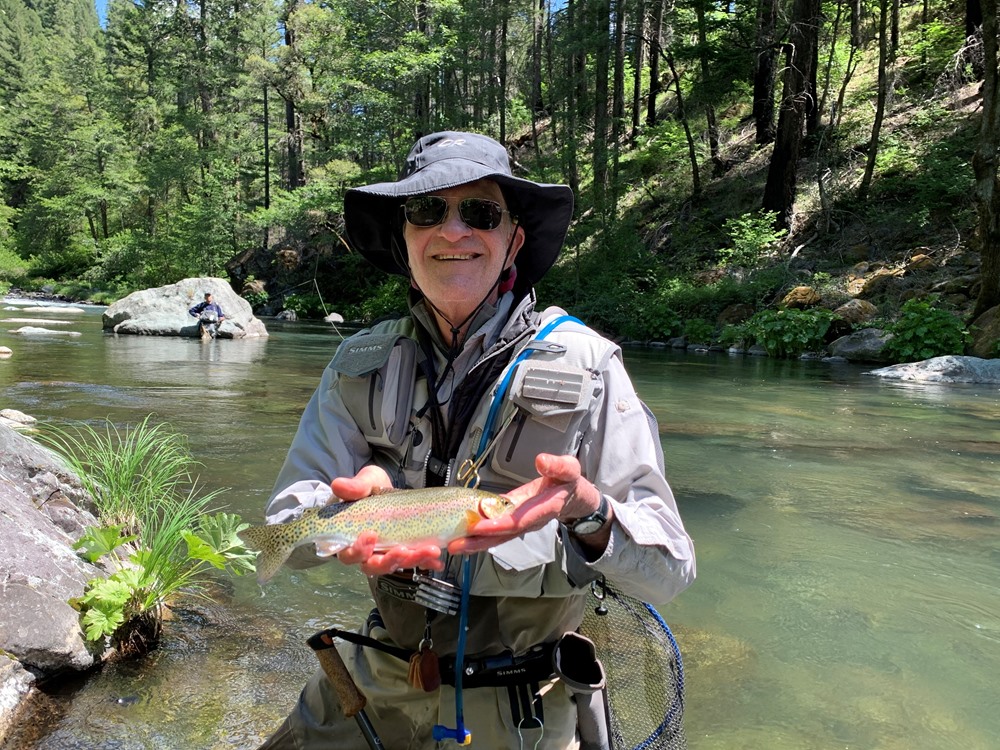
(477, 387)
(209, 315)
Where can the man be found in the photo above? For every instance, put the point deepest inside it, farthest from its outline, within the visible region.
(416, 402)
(209, 314)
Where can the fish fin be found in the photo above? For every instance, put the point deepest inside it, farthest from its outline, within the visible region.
(382, 491)
(270, 561)
(471, 519)
(328, 549)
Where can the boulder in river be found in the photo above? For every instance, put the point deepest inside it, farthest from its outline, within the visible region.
(163, 311)
(944, 370)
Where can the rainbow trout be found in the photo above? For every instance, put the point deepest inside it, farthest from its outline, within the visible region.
(437, 515)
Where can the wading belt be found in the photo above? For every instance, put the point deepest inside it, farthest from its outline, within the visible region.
(501, 670)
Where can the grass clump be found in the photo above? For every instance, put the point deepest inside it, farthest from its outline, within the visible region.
(156, 532)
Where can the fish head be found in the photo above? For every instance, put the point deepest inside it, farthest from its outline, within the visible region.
(494, 506)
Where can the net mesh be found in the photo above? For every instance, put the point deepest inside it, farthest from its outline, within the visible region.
(645, 675)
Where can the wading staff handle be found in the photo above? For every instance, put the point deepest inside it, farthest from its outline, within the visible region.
(351, 699)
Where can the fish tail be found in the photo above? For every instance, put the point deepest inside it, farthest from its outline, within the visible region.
(271, 556)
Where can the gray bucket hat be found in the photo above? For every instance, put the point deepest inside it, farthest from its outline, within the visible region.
(448, 159)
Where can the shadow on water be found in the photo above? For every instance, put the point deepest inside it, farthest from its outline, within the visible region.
(846, 528)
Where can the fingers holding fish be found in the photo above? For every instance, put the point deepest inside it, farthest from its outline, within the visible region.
(403, 557)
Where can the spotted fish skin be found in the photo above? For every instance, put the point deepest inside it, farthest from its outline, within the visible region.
(434, 514)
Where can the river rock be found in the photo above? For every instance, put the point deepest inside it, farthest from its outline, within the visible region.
(6, 352)
(800, 298)
(37, 331)
(944, 370)
(986, 334)
(163, 311)
(15, 682)
(856, 311)
(16, 419)
(39, 499)
(866, 345)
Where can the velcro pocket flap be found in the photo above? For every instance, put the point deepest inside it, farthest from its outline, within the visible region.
(552, 391)
(364, 355)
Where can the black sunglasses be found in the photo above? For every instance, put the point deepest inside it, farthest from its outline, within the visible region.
(431, 210)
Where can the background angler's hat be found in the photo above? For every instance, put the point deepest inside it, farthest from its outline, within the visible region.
(444, 160)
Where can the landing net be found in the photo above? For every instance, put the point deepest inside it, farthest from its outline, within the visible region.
(645, 675)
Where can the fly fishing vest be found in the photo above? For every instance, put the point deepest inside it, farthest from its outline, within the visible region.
(544, 409)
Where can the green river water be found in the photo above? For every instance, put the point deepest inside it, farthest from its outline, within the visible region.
(847, 532)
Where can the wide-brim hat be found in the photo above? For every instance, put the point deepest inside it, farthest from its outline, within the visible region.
(445, 160)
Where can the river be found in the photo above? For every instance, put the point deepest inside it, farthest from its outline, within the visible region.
(847, 532)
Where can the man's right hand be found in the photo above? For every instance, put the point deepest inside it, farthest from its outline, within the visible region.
(371, 480)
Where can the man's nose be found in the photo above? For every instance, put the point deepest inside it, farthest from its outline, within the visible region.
(453, 227)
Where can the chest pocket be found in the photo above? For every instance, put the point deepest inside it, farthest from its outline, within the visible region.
(552, 400)
(377, 378)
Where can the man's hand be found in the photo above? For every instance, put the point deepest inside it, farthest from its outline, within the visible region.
(373, 479)
(561, 492)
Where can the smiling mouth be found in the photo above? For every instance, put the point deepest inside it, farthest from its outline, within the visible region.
(457, 256)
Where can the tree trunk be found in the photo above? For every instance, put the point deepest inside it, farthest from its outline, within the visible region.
(718, 165)
(692, 152)
(503, 78)
(986, 192)
(617, 99)
(764, 72)
(885, 61)
(782, 174)
(572, 138)
(637, 59)
(655, 50)
(601, 35)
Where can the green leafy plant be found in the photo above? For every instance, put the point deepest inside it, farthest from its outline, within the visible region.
(923, 331)
(699, 331)
(751, 237)
(789, 333)
(155, 535)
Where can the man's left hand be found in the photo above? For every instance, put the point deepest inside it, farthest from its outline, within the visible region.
(560, 492)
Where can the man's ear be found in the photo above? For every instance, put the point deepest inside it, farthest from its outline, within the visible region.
(516, 245)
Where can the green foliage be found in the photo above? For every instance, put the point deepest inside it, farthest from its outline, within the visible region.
(388, 299)
(751, 237)
(154, 530)
(304, 305)
(789, 333)
(923, 331)
(256, 299)
(934, 46)
(699, 331)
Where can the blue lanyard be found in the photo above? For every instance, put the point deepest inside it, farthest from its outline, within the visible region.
(460, 734)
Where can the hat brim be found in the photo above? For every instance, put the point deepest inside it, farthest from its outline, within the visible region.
(371, 215)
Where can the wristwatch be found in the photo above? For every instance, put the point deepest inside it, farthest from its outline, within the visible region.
(590, 524)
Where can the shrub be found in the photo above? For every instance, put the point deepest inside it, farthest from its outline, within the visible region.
(789, 333)
(923, 331)
(699, 331)
(751, 235)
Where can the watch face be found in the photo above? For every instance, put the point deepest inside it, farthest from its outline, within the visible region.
(588, 526)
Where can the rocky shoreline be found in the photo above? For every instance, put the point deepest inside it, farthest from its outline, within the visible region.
(43, 510)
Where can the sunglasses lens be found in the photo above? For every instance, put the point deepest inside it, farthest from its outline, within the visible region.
(426, 210)
(479, 213)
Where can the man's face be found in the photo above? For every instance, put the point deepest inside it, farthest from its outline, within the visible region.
(208, 297)
(454, 265)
